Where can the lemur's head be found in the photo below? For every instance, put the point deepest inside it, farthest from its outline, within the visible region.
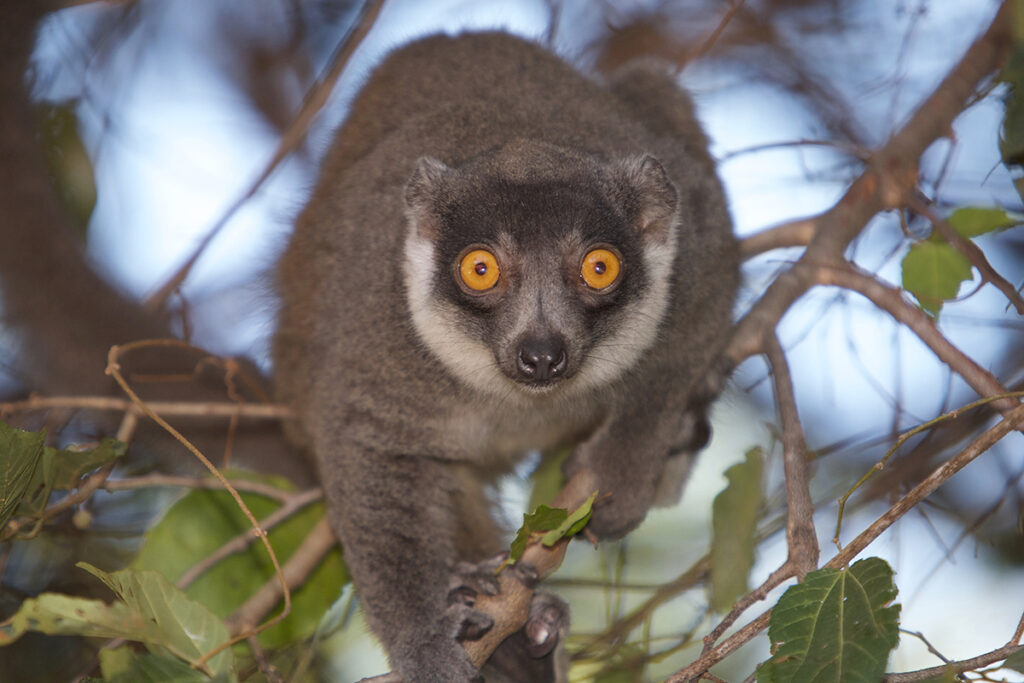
(538, 268)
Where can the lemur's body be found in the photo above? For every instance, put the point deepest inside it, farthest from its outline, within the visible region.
(502, 255)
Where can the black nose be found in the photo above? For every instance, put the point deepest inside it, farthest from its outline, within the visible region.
(542, 358)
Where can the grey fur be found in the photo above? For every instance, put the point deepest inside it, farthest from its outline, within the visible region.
(406, 386)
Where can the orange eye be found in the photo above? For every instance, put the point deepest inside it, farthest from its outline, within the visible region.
(600, 268)
(479, 270)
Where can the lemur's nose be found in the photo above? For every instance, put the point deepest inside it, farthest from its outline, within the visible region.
(542, 358)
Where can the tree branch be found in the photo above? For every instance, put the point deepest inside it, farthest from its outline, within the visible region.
(511, 606)
(247, 537)
(970, 250)
(955, 667)
(180, 408)
(891, 300)
(801, 536)
(888, 179)
(939, 476)
(795, 233)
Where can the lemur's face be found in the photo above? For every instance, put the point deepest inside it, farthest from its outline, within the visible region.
(533, 270)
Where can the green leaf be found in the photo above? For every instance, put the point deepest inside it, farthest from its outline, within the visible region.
(573, 523)
(62, 469)
(836, 625)
(63, 615)
(122, 665)
(553, 523)
(973, 221)
(20, 453)
(1015, 661)
(932, 272)
(544, 518)
(172, 624)
(72, 463)
(202, 521)
(734, 516)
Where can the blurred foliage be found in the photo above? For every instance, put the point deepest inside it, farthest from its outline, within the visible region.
(202, 521)
(67, 160)
(735, 514)
(268, 55)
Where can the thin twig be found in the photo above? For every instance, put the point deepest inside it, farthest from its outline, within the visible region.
(114, 370)
(176, 408)
(618, 631)
(1010, 422)
(303, 561)
(891, 300)
(292, 137)
(902, 439)
(171, 480)
(776, 578)
(927, 643)
(997, 655)
(801, 536)
(852, 150)
(245, 539)
(970, 250)
(705, 46)
(264, 665)
(939, 476)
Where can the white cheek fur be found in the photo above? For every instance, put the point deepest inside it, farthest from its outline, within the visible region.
(637, 328)
(439, 326)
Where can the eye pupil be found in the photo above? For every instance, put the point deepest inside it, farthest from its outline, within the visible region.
(600, 267)
(480, 268)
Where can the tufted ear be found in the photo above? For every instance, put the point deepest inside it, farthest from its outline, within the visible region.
(421, 194)
(654, 196)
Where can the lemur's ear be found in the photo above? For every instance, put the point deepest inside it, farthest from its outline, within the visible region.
(649, 196)
(421, 195)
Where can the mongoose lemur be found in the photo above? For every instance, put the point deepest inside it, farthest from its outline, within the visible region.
(502, 255)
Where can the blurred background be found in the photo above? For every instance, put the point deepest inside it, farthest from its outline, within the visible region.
(161, 114)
